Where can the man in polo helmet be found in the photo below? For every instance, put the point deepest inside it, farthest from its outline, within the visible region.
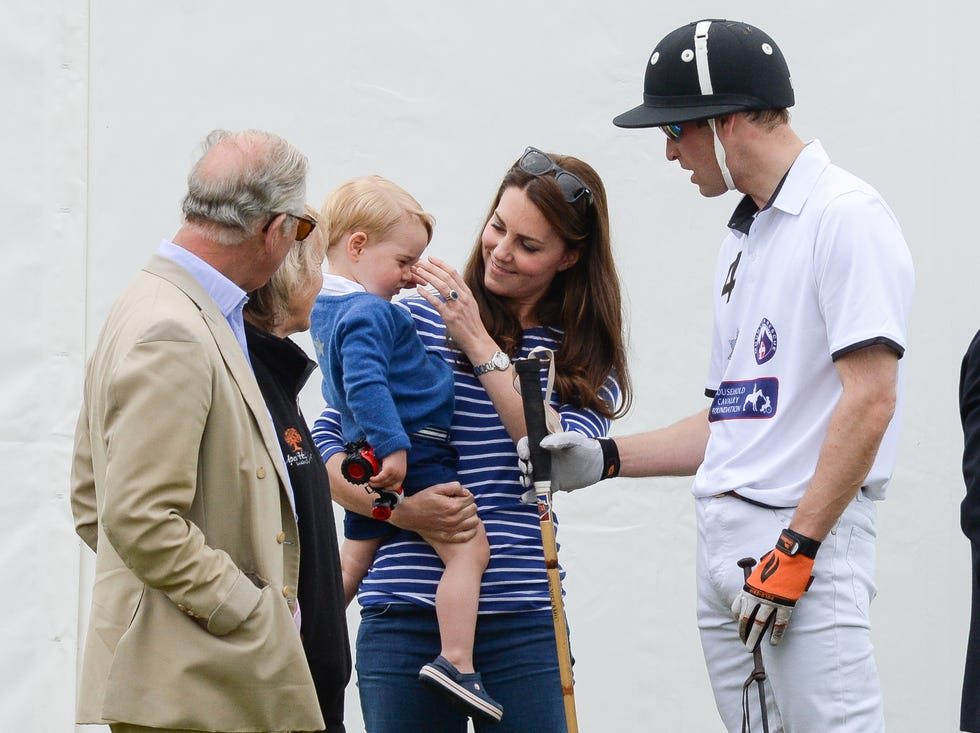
(811, 300)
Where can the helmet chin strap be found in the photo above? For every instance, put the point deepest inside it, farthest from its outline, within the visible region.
(704, 79)
(720, 157)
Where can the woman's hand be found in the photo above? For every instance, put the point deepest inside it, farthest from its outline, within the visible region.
(440, 513)
(443, 512)
(461, 314)
(464, 326)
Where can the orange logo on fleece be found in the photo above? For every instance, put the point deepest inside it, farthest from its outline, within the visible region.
(294, 439)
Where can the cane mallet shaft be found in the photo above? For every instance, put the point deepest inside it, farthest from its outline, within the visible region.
(529, 373)
(758, 671)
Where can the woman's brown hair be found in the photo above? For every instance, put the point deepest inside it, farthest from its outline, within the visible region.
(583, 302)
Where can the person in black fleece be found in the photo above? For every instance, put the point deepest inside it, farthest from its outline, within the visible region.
(272, 314)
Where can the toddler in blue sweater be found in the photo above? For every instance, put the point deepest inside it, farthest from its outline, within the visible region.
(398, 397)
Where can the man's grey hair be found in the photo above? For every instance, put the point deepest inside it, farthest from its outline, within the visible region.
(240, 181)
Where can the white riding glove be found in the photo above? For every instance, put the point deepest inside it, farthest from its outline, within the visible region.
(577, 461)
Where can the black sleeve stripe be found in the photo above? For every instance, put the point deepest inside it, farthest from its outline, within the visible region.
(897, 348)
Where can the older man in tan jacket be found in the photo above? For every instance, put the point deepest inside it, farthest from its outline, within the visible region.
(178, 483)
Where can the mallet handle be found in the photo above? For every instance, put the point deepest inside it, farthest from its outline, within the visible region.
(529, 373)
(758, 670)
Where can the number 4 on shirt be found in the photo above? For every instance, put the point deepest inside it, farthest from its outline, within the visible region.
(729, 285)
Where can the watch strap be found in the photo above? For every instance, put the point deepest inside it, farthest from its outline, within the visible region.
(491, 365)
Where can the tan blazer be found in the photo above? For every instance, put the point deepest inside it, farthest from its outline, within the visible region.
(177, 484)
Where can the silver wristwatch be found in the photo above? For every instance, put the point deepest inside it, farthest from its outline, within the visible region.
(499, 361)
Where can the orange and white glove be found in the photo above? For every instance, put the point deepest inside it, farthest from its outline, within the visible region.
(770, 593)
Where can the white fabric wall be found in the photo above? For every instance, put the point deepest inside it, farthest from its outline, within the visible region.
(107, 100)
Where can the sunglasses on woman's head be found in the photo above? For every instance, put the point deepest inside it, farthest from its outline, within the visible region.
(538, 163)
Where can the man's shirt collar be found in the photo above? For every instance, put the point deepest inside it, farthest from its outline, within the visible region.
(792, 191)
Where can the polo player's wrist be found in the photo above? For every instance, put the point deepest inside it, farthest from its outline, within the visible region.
(610, 458)
(792, 542)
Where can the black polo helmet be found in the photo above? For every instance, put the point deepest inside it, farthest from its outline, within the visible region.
(711, 68)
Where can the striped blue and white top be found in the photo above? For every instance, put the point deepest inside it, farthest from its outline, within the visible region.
(406, 569)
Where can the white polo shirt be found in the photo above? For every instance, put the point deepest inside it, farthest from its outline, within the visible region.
(821, 271)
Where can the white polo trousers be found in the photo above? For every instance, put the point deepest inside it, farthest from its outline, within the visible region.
(822, 676)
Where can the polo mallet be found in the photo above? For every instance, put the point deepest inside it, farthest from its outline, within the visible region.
(758, 671)
(529, 373)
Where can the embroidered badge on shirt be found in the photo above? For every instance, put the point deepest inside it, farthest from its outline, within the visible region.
(299, 456)
(752, 399)
(765, 342)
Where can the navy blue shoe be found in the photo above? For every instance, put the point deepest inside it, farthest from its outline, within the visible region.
(466, 689)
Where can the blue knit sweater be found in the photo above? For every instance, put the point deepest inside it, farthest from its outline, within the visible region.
(377, 372)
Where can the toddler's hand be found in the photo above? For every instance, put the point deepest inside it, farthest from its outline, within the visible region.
(392, 473)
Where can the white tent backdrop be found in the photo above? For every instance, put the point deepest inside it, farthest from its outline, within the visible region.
(107, 101)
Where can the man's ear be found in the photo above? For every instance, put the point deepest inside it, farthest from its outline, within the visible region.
(726, 123)
(272, 239)
(272, 231)
(356, 242)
